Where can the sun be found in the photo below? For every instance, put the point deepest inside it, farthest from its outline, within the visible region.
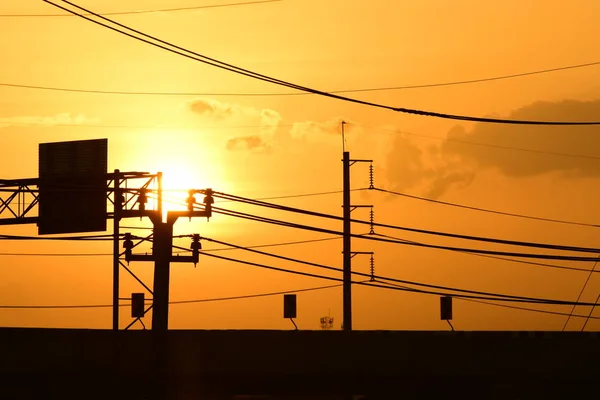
(186, 160)
(178, 180)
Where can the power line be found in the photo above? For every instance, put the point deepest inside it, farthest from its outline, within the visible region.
(587, 280)
(589, 316)
(291, 196)
(250, 296)
(471, 81)
(524, 308)
(495, 146)
(251, 217)
(512, 306)
(506, 298)
(539, 264)
(304, 195)
(214, 299)
(208, 250)
(280, 244)
(149, 11)
(482, 253)
(484, 209)
(258, 94)
(57, 254)
(266, 245)
(18, 124)
(241, 71)
(430, 286)
(409, 229)
(85, 238)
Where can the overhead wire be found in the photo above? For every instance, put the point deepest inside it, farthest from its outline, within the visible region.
(56, 254)
(17, 124)
(587, 280)
(413, 290)
(66, 238)
(289, 243)
(206, 300)
(241, 71)
(416, 244)
(20, 124)
(491, 254)
(159, 10)
(258, 94)
(539, 264)
(396, 280)
(489, 303)
(408, 229)
(589, 316)
(292, 196)
(446, 203)
(470, 142)
(250, 296)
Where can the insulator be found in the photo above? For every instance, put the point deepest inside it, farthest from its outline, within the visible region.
(128, 243)
(142, 199)
(372, 221)
(208, 199)
(372, 268)
(128, 246)
(191, 201)
(208, 202)
(196, 246)
(371, 177)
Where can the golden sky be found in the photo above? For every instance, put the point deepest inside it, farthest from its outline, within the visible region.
(260, 146)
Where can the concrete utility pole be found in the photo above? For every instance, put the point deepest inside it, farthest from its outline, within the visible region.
(347, 247)
(347, 275)
(116, 264)
(162, 253)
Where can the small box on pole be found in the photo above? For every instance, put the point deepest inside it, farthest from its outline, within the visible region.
(137, 305)
(289, 306)
(446, 308)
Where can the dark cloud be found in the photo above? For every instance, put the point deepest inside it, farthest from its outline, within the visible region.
(504, 148)
(405, 165)
(580, 140)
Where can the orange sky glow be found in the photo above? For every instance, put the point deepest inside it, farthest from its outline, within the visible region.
(281, 145)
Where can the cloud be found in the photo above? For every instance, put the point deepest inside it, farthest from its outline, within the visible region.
(313, 130)
(405, 164)
(214, 109)
(251, 142)
(503, 148)
(264, 122)
(578, 140)
(221, 111)
(53, 120)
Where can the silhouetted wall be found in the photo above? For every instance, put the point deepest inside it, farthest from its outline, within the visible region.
(56, 363)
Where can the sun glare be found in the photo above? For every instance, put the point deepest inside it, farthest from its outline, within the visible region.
(178, 179)
(181, 176)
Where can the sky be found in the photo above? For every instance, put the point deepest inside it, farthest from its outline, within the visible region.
(219, 136)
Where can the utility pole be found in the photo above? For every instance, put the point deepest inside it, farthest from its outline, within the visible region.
(347, 247)
(162, 252)
(116, 265)
(347, 275)
(163, 247)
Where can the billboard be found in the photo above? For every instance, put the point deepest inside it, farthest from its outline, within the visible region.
(72, 186)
